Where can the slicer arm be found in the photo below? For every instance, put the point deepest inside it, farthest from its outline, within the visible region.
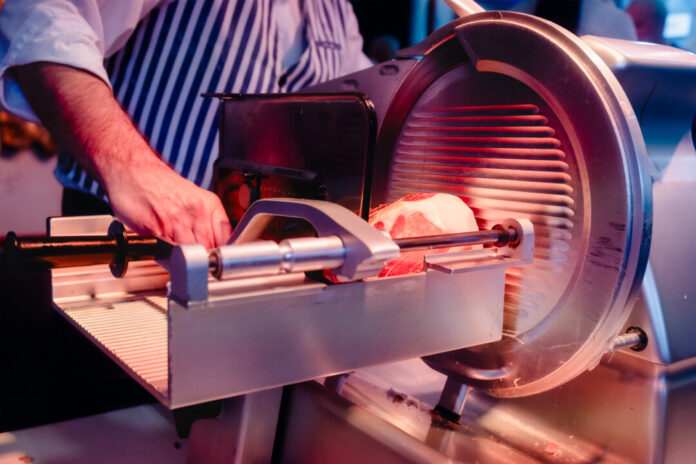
(367, 249)
(464, 7)
(347, 245)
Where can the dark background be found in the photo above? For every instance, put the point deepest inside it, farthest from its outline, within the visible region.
(48, 371)
(379, 17)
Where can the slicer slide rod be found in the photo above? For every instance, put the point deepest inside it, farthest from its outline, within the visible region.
(498, 236)
(58, 252)
(226, 262)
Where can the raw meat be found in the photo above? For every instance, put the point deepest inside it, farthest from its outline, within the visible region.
(419, 215)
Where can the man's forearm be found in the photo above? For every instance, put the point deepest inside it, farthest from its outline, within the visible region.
(80, 111)
(85, 118)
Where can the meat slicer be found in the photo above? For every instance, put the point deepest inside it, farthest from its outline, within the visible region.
(577, 157)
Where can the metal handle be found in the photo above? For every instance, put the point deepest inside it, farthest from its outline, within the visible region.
(367, 249)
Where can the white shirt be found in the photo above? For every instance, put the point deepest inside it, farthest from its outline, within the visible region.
(162, 55)
(288, 17)
(81, 33)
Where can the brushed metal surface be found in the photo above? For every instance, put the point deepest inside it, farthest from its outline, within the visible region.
(499, 95)
(626, 410)
(262, 334)
(659, 82)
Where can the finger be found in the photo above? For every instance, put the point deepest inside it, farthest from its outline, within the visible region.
(203, 234)
(183, 232)
(220, 224)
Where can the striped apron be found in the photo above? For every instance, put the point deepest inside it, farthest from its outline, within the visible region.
(190, 47)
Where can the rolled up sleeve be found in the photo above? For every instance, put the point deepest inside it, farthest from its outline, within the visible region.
(79, 34)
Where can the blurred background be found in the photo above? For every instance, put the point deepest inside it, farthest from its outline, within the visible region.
(410, 21)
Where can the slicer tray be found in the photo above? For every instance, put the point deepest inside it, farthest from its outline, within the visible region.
(262, 333)
(132, 331)
(258, 333)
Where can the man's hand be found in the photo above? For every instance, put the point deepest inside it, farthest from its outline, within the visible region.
(82, 114)
(172, 207)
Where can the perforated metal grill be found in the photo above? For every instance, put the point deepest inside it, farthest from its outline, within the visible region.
(503, 161)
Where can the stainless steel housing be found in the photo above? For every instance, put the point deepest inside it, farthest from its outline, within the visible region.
(581, 177)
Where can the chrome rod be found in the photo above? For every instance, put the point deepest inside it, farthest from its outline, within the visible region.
(497, 236)
(227, 261)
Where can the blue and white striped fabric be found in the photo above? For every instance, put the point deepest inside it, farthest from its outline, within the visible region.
(190, 47)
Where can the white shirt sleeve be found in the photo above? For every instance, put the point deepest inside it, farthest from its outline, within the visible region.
(77, 33)
(354, 59)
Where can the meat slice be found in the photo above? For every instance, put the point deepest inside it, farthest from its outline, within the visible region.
(419, 215)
